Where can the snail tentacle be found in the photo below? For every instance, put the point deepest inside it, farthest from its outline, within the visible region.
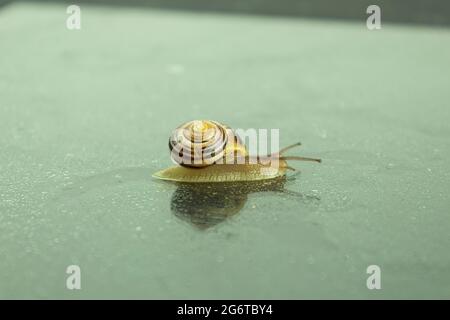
(300, 158)
(289, 147)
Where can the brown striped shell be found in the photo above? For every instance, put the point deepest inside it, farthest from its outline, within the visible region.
(200, 143)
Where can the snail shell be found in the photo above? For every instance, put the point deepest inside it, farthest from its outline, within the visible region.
(201, 143)
(208, 151)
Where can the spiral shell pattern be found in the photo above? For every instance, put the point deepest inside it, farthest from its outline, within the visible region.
(200, 143)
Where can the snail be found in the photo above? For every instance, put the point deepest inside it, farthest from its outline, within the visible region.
(208, 151)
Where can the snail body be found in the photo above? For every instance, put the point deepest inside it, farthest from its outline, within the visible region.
(209, 152)
(222, 173)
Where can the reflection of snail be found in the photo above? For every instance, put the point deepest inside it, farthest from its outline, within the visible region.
(213, 203)
(199, 146)
(206, 206)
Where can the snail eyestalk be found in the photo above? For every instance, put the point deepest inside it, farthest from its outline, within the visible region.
(300, 158)
(289, 147)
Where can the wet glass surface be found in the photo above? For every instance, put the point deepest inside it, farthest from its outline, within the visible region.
(85, 119)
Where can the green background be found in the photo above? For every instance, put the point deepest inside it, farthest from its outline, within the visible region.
(84, 121)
